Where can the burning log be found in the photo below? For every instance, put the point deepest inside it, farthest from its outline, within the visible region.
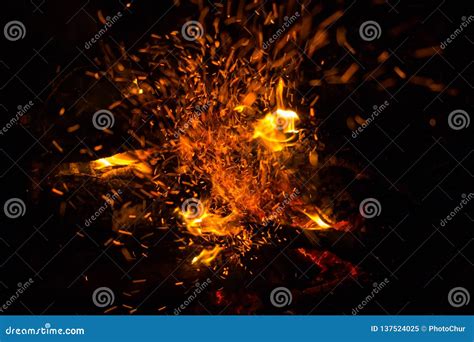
(122, 165)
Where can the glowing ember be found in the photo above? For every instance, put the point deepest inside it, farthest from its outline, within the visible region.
(226, 143)
(230, 163)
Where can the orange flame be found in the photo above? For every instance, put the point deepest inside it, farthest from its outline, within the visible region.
(207, 256)
(136, 159)
(278, 129)
(209, 223)
(321, 220)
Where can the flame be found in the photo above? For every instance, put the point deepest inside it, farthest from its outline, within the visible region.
(135, 159)
(209, 223)
(207, 256)
(237, 190)
(215, 118)
(321, 220)
(238, 193)
(278, 129)
(279, 93)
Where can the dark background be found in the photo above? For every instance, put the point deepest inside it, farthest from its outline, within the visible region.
(419, 177)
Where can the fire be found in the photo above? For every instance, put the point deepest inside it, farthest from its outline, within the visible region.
(135, 159)
(278, 129)
(245, 180)
(225, 136)
(209, 223)
(322, 221)
(238, 192)
(232, 124)
(207, 256)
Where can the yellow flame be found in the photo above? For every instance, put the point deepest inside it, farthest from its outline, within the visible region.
(207, 256)
(320, 219)
(206, 222)
(277, 130)
(279, 93)
(239, 191)
(212, 224)
(240, 108)
(135, 159)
